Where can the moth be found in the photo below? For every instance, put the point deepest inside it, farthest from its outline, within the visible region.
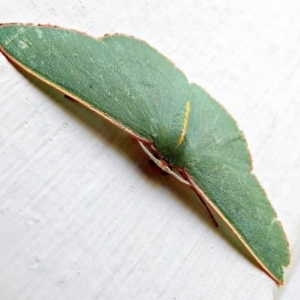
(178, 124)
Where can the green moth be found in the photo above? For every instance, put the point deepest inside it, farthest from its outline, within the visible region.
(186, 132)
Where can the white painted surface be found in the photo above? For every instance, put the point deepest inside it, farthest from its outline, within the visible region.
(81, 214)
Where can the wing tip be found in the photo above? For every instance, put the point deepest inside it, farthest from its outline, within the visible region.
(277, 276)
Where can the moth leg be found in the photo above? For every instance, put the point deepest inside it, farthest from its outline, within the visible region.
(186, 176)
(157, 169)
(162, 163)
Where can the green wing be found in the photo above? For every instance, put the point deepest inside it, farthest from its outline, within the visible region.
(218, 161)
(122, 77)
(135, 87)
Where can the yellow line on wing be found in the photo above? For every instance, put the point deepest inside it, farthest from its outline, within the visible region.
(184, 123)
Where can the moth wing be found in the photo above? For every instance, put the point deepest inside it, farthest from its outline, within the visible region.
(217, 160)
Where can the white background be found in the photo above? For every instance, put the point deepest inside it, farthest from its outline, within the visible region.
(82, 216)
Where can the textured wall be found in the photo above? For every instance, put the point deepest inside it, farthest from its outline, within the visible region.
(81, 214)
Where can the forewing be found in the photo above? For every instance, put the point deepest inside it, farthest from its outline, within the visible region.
(120, 77)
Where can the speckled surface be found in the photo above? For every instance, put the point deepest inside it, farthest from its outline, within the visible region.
(82, 216)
